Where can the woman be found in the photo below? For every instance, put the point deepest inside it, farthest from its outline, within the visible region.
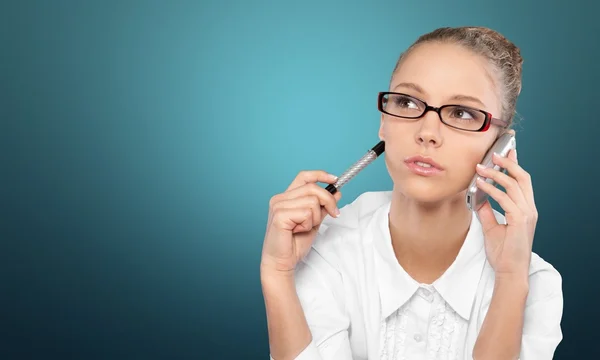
(412, 273)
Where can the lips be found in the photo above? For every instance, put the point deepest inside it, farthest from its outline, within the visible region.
(422, 165)
(423, 161)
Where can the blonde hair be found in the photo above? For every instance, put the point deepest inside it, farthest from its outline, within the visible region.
(501, 53)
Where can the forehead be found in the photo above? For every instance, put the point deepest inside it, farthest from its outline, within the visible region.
(446, 70)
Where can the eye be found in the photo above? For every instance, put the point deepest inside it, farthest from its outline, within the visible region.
(405, 102)
(463, 114)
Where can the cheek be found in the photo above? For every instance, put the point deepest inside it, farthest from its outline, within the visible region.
(399, 133)
(475, 156)
(386, 131)
(466, 169)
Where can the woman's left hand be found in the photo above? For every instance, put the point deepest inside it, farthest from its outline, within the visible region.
(508, 246)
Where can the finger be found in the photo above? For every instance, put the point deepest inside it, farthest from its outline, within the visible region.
(486, 217)
(500, 196)
(324, 212)
(510, 184)
(306, 202)
(325, 198)
(513, 155)
(312, 176)
(285, 198)
(526, 184)
(511, 164)
(293, 219)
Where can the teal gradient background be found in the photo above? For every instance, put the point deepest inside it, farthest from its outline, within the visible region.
(142, 141)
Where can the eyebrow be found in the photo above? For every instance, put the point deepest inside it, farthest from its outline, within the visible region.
(412, 86)
(420, 90)
(468, 98)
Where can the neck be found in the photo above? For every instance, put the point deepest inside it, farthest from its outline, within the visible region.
(427, 237)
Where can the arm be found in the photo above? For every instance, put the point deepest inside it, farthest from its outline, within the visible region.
(536, 321)
(288, 331)
(523, 320)
(501, 332)
(304, 315)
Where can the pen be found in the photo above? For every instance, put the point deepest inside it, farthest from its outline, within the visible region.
(352, 171)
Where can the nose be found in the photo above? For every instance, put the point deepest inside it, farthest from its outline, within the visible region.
(429, 132)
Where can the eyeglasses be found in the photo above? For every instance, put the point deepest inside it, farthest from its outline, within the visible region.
(456, 116)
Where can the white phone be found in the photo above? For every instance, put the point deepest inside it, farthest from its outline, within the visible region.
(476, 197)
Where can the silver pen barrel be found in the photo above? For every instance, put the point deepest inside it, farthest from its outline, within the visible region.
(357, 167)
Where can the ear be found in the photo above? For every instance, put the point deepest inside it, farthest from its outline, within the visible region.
(381, 137)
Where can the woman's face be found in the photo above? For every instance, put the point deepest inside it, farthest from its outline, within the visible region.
(439, 74)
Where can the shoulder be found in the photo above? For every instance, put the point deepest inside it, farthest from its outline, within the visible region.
(340, 239)
(542, 330)
(353, 219)
(340, 250)
(545, 281)
(543, 308)
(357, 211)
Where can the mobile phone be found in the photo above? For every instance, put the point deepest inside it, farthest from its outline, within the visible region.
(476, 197)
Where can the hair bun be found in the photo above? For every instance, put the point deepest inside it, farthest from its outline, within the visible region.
(501, 53)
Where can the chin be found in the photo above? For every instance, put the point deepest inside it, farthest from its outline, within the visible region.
(427, 190)
(421, 192)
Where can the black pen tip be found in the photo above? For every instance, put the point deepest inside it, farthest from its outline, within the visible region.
(331, 188)
(379, 148)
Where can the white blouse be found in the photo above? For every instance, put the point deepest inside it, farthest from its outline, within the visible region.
(361, 304)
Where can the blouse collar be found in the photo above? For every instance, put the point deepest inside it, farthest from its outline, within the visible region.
(458, 284)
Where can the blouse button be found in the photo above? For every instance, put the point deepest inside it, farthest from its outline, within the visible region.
(418, 337)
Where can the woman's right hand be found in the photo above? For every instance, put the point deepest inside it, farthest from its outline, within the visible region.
(294, 219)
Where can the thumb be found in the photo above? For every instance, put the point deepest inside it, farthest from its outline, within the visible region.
(486, 217)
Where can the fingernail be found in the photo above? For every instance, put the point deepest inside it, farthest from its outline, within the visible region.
(481, 166)
(333, 177)
(337, 212)
(515, 153)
